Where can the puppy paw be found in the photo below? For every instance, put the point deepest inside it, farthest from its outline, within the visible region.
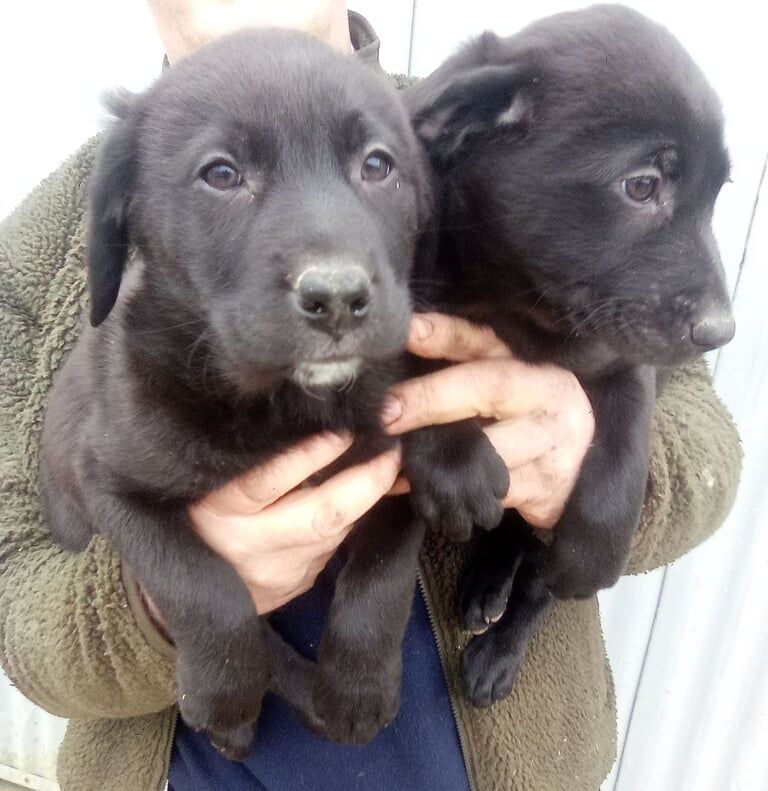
(459, 484)
(224, 705)
(488, 671)
(211, 711)
(354, 712)
(234, 744)
(483, 597)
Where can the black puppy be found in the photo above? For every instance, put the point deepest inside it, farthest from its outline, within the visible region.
(265, 194)
(577, 164)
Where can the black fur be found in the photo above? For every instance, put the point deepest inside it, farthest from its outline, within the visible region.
(207, 359)
(536, 143)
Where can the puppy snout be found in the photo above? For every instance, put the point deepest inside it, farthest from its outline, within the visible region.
(334, 296)
(714, 329)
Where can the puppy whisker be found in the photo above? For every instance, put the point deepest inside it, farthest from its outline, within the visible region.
(169, 327)
(193, 348)
(348, 384)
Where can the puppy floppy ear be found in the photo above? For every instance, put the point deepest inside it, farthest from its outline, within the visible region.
(109, 198)
(462, 100)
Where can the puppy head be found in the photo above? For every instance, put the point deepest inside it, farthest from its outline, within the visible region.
(273, 189)
(587, 151)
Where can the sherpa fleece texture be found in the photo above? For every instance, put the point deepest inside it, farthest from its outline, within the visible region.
(74, 639)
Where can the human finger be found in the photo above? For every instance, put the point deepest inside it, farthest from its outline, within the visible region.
(483, 388)
(437, 336)
(266, 483)
(328, 511)
(535, 496)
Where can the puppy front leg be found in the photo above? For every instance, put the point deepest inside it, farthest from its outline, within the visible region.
(222, 664)
(357, 691)
(590, 543)
(457, 478)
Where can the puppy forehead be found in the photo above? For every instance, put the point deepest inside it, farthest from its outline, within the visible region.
(614, 58)
(615, 76)
(258, 84)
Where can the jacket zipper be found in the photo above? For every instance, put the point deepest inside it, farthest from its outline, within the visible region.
(454, 708)
(166, 785)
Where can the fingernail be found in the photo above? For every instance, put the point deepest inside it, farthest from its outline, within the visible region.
(422, 328)
(392, 410)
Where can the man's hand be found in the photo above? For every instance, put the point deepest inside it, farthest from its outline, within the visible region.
(279, 537)
(541, 419)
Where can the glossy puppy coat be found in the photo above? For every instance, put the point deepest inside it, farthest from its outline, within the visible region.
(577, 164)
(253, 217)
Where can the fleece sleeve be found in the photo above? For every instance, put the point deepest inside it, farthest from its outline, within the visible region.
(695, 469)
(73, 636)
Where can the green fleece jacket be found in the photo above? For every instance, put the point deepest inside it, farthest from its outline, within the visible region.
(76, 640)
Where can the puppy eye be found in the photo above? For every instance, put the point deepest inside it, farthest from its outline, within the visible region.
(377, 166)
(221, 176)
(641, 189)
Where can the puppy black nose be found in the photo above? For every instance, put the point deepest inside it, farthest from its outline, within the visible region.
(713, 330)
(334, 295)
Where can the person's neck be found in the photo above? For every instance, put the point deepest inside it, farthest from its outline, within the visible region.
(328, 22)
(333, 28)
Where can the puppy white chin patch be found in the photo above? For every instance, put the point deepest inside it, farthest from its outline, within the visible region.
(329, 373)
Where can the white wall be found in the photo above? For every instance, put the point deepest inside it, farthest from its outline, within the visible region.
(688, 645)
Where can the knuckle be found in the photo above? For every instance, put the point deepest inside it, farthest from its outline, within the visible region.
(328, 519)
(416, 398)
(535, 513)
(314, 568)
(576, 422)
(560, 469)
(564, 385)
(542, 512)
(267, 577)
